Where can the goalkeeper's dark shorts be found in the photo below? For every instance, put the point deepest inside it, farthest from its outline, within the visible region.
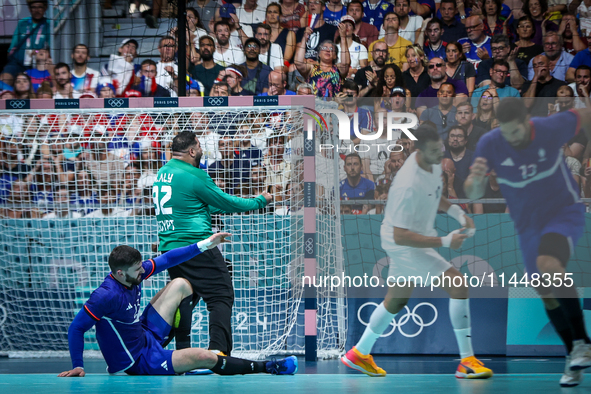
(211, 281)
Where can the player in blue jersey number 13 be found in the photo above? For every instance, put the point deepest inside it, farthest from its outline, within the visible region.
(544, 202)
(131, 341)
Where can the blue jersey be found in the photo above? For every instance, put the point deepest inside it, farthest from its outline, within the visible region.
(433, 53)
(246, 159)
(334, 18)
(364, 190)
(115, 309)
(535, 180)
(364, 121)
(472, 56)
(376, 15)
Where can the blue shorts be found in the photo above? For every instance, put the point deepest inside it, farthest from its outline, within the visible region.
(154, 359)
(568, 221)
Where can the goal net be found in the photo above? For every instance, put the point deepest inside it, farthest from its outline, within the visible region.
(78, 183)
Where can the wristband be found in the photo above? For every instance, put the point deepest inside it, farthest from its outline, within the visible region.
(204, 245)
(446, 241)
(457, 213)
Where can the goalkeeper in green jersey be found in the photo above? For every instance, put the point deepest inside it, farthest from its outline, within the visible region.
(185, 197)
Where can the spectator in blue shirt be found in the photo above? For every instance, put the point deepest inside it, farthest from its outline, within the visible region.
(583, 58)
(356, 187)
(559, 59)
(477, 45)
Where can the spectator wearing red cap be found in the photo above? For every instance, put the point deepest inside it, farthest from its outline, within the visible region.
(357, 52)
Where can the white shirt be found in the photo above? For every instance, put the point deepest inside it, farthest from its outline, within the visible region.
(198, 34)
(14, 123)
(414, 23)
(116, 212)
(235, 36)
(70, 215)
(164, 79)
(578, 102)
(250, 18)
(413, 200)
(377, 154)
(146, 180)
(584, 16)
(80, 86)
(357, 52)
(233, 55)
(276, 58)
(210, 146)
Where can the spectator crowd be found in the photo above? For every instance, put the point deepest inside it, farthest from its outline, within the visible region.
(450, 62)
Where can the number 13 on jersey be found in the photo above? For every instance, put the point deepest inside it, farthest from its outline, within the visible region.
(528, 171)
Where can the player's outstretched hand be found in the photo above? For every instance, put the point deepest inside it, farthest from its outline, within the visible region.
(479, 168)
(76, 372)
(458, 239)
(219, 238)
(268, 197)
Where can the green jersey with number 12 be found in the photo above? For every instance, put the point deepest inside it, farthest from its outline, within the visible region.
(185, 197)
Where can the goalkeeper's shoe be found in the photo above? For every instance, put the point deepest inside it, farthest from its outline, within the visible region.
(570, 378)
(472, 368)
(580, 356)
(284, 366)
(354, 359)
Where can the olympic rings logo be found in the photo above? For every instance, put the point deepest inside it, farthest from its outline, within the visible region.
(309, 246)
(309, 144)
(215, 100)
(116, 103)
(18, 104)
(416, 318)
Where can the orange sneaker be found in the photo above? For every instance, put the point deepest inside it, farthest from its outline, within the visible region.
(354, 359)
(472, 368)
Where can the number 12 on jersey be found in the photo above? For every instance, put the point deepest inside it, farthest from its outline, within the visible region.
(161, 198)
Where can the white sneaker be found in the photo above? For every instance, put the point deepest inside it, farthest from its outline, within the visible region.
(580, 356)
(570, 378)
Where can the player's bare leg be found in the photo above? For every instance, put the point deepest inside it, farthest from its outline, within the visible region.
(168, 299)
(564, 311)
(459, 312)
(359, 357)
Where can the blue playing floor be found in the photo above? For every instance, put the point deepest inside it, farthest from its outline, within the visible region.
(406, 374)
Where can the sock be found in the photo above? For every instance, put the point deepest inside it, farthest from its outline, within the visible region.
(182, 330)
(238, 366)
(562, 327)
(571, 307)
(459, 314)
(378, 322)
